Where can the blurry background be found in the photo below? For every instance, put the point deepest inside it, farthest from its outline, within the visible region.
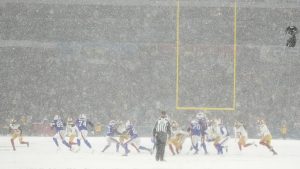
(116, 59)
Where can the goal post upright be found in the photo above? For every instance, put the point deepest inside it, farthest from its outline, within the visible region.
(178, 107)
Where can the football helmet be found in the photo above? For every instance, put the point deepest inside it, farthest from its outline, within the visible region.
(82, 117)
(70, 119)
(128, 123)
(13, 121)
(174, 124)
(260, 122)
(200, 115)
(194, 121)
(237, 124)
(112, 122)
(56, 117)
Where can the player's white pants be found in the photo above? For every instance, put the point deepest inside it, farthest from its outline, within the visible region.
(111, 139)
(224, 141)
(136, 141)
(82, 134)
(195, 139)
(60, 135)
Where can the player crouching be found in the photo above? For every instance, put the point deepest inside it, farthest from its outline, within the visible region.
(134, 140)
(16, 131)
(219, 135)
(177, 139)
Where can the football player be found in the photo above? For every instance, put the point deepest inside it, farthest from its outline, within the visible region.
(110, 135)
(134, 140)
(177, 138)
(224, 135)
(16, 131)
(82, 124)
(59, 125)
(265, 135)
(195, 132)
(71, 131)
(202, 120)
(242, 135)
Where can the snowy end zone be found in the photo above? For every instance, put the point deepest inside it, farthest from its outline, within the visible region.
(42, 154)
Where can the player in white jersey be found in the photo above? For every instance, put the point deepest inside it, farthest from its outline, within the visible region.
(16, 131)
(71, 131)
(224, 135)
(242, 135)
(265, 135)
(177, 138)
(218, 134)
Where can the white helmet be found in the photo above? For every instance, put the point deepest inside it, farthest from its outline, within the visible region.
(260, 122)
(70, 119)
(174, 124)
(237, 123)
(82, 116)
(194, 121)
(56, 117)
(13, 121)
(200, 115)
(218, 121)
(128, 123)
(112, 122)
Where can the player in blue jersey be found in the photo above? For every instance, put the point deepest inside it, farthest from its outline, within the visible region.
(110, 135)
(59, 125)
(202, 120)
(82, 125)
(195, 132)
(134, 140)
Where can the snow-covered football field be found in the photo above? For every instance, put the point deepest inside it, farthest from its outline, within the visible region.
(42, 154)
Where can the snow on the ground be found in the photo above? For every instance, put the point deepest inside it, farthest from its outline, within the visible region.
(42, 154)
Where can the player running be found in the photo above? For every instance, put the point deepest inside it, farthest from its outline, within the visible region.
(195, 132)
(16, 131)
(202, 120)
(265, 135)
(242, 135)
(110, 135)
(82, 123)
(59, 125)
(71, 131)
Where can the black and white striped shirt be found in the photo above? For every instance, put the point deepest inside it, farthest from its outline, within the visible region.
(162, 125)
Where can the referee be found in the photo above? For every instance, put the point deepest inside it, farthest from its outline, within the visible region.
(161, 131)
